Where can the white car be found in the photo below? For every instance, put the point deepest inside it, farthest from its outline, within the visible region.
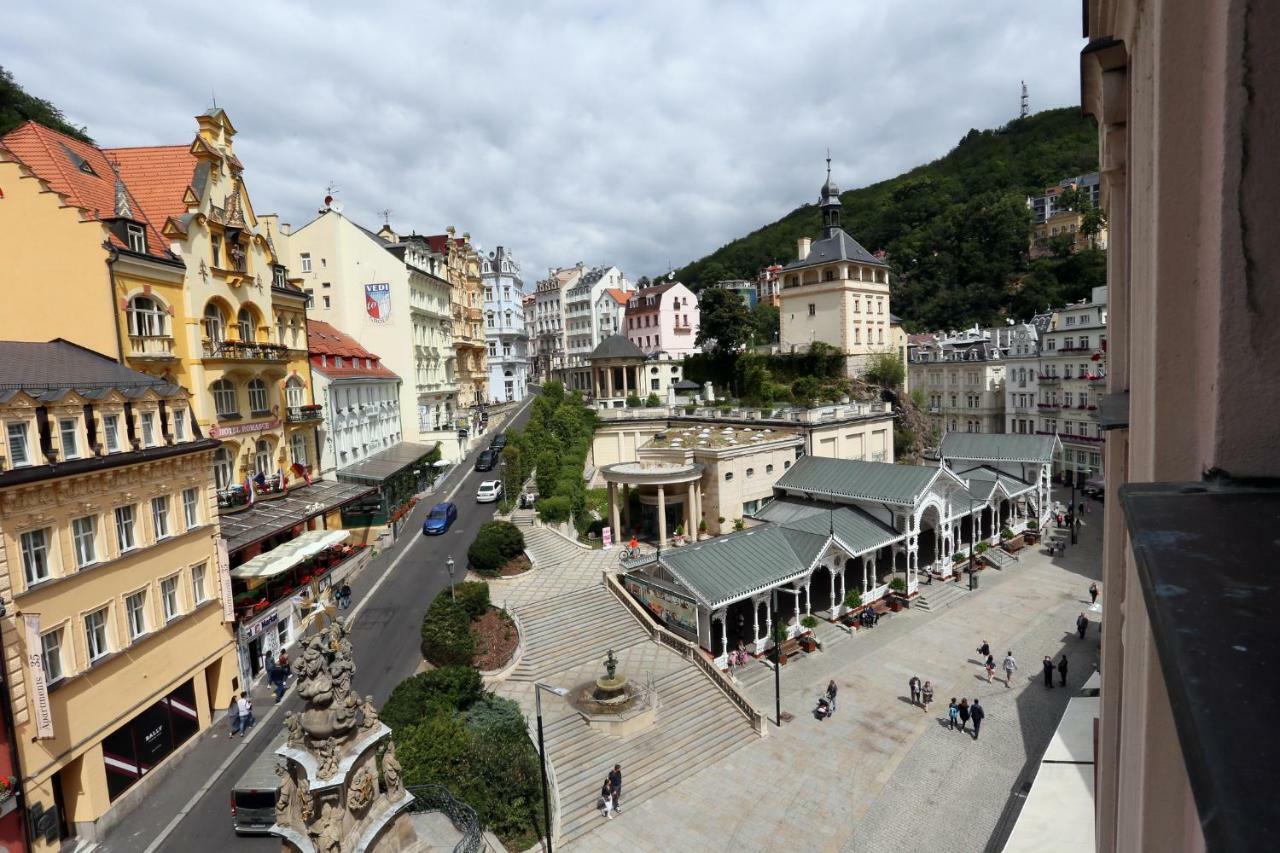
(489, 491)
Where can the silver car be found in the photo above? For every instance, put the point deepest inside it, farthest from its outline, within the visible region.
(489, 491)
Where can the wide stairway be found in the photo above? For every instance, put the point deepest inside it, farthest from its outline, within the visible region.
(564, 631)
(697, 725)
(522, 517)
(938, 595)
(547, 549)
(998, 558)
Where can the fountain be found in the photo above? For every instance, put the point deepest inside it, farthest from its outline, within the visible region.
(612, 704)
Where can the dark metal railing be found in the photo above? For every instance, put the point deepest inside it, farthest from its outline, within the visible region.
(437, 798)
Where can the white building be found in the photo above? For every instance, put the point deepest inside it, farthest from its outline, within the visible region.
(505, 331)
(1022, 367)
(359, 396)
(581, 325)
(548, 330)
(1072, 379)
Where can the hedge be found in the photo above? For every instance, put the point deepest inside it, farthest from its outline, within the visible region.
(446, 633)
(473, 597)
(495, 544)
(446, 688)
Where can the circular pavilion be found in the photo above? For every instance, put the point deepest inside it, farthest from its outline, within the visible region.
(673, 489)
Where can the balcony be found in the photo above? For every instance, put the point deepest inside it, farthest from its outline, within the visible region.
(242, 351)
(1050, 406)
(1050, 380)
(157, 347)
(304, 414)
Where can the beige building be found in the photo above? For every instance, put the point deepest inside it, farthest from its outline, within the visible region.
(110, 579)
(1071, 381)
(1184, 98)
(835, 292)
(962, 375)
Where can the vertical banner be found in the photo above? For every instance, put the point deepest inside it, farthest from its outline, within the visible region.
(606, 537)
(224, 582)
(35, 669)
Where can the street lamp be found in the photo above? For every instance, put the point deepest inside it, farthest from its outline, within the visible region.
(538, 687)
(777, 656)
(449, 565)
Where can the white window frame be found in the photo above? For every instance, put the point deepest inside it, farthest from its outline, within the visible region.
(169, 596)
(262, 458)
(135, 613)
(148, 421)
(160, 516)
(191, 507)
(137, 238)
(127, 533)
(147, 317)
(258, 394)
(298, 449)
(179, 425)
(198, 592)
(96, 623)
(85, 543)
(111, 432)
(51, 651)
(18, 447)
(224, 395)
(306, 262)
(70, 448)
(37, 562)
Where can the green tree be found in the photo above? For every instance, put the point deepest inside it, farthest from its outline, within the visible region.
(724, 322)
(886, 370)
(16, 107)
(765, 324)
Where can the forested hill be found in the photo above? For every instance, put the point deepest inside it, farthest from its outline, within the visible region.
(16, 106)
(956, 230)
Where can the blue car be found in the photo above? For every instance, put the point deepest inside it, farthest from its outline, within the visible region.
(439, 519)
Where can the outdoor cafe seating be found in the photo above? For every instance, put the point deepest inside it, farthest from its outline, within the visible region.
(287, 570)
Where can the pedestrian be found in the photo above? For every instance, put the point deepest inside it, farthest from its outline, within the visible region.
(233, 715)
(831, 694)
(926, 695)
(344, 596)
(991, 668)
(978, 715)
(1062, 670)
(914, 685)
(1009, 666)
(606, 799)
(963, 710)
(985, 649)
(1047, 663)
(283, 661)
(1082, 625)
(246, 713)
(615, 787)
(953, 713)
(1093, 593)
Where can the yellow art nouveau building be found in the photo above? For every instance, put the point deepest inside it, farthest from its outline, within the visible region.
(466, 295)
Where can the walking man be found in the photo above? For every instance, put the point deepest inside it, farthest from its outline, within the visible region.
(977, 713)
(1009, 666)
(914, 684)
(246, 713)
(1082, 625)
(1047, 663)
(1093, 593)
(831, 694)
(1062, 670)
(615, 787)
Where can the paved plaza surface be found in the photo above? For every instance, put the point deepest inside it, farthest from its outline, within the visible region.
(881, 775)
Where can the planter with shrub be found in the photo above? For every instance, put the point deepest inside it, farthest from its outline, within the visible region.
(496, 545)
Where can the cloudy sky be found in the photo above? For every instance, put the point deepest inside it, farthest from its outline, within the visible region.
(638, 134)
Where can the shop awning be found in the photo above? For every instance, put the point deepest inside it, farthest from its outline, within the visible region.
(268, 517)
(290, 554)
(386, 463)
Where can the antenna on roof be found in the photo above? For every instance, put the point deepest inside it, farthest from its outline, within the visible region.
(1026, 102)
(213, 96)
(386, 217)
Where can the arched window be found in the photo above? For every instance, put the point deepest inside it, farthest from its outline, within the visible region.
(147, 317)
(245, 327)
(222, 468)
(224, 398)
(262, 458)
(295, 393)
(298, 448)
(214, 323)
(258, 397)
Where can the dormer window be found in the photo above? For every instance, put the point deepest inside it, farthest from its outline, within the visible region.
(148, 429)
(179, 425)
(68, 436)
(19, 455)
(278, 276)
(111, 431)
(137, 237)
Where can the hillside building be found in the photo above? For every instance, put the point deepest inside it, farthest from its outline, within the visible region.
(664, 319)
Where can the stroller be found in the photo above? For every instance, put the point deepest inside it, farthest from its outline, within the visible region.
(823, 710)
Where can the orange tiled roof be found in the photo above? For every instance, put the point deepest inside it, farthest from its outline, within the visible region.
(158, 176)
(84, 174)
(619, 296)
(324, 339)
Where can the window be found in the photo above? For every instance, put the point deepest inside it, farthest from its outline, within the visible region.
(295, 393)
(197, 584)
(191, 507)
(222, 468)
(137, 238)
(298, 448)
(160, 516)
(751, 472)
(306, 262)
(95, 633)
(179, 425)
(83, 536)
(135, 609)
(245, 326)
(18, 445)
(148, 429)
(326, 300)
(124, 528)
(311, 297)
(67, 434)
(258, 397)
(214, 324)
(768, 469)
(146, 317)
(169, 597)
(813, 310)
(786, 464)
(728, 475)
(262, 458)
(215, 242)
(224, 398)
(51, 647)
(35, 555)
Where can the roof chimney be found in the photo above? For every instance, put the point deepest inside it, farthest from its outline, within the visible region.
(802, 247)
(286, 229)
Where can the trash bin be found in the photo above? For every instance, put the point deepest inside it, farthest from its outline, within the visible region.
(973, 581)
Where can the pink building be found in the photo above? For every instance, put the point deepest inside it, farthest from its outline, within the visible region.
(664, 319)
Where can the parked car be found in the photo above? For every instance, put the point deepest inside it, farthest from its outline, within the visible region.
(486, 460)
(489, 491)
(438, 520)
(499, 442)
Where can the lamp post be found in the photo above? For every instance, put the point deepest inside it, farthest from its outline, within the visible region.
(777, 657)
(538, 687)
(449, 565)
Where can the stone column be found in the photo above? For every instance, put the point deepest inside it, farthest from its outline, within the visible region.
(613, 512)
(626, 506)
(724, 631)
(755, 623)
(690, 524)
(608, 380)
(697, 503)
(662, 516)
(626, 390)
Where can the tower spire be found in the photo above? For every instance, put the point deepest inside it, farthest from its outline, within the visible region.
(829, 201)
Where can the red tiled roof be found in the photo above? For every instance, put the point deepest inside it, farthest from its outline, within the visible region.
(324, 339)
(48, 154)
(158, 176)
(619, 296)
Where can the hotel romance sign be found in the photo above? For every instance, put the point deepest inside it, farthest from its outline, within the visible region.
(216, 431)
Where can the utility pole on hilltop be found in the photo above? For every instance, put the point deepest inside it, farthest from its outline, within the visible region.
(1026, 103)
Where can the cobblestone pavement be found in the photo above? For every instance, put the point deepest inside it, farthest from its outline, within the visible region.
(882, 775)
(560, 566)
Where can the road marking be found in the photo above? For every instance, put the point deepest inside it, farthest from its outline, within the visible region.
(253, 732)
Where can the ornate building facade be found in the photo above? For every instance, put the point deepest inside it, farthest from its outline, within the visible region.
(462, 270)
(506, 334)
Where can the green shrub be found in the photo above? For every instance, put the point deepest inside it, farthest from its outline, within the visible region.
(446, 633)
(779, 633)
(445, 689)
(652, 402)
(1033, 524)
(739, 524)
(554, 509)
(492, 714)
(473, 597)
(853, 599)
(633, 401)
(689, 410)
(485, 557)
(809, 622)
(959, 557)
(898, 585)
(1006, 533)
(496, 543)
(981, 548)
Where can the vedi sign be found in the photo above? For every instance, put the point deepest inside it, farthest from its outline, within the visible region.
(216, 431)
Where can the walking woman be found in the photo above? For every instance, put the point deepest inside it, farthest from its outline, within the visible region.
(963, 710)
(953, 714)
(991, 668)
(926, 695)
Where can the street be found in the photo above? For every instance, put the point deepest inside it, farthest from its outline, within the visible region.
(385, 637)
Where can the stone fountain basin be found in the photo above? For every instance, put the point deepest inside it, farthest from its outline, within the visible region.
(625, 714)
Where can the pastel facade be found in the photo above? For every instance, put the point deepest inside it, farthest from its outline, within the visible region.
(962, 376)
(1072, 379)
(548, 327)
(582, 326)
(664, 318)
(466, 294)
(506, 334)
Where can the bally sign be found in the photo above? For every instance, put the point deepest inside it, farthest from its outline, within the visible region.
(216, 431)
(35, 669)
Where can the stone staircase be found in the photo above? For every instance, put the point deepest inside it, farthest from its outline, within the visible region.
(564, 631)
(829, 635)
(696, 726)
(545, 548)
(939, 596)
(523, 517)
(998, 558)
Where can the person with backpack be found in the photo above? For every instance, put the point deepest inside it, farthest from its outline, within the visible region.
(953, 714)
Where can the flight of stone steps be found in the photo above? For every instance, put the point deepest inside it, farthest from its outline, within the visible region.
(547, 549)
(998, 558)
(937, 595)
(696, 726)
(564, 631)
